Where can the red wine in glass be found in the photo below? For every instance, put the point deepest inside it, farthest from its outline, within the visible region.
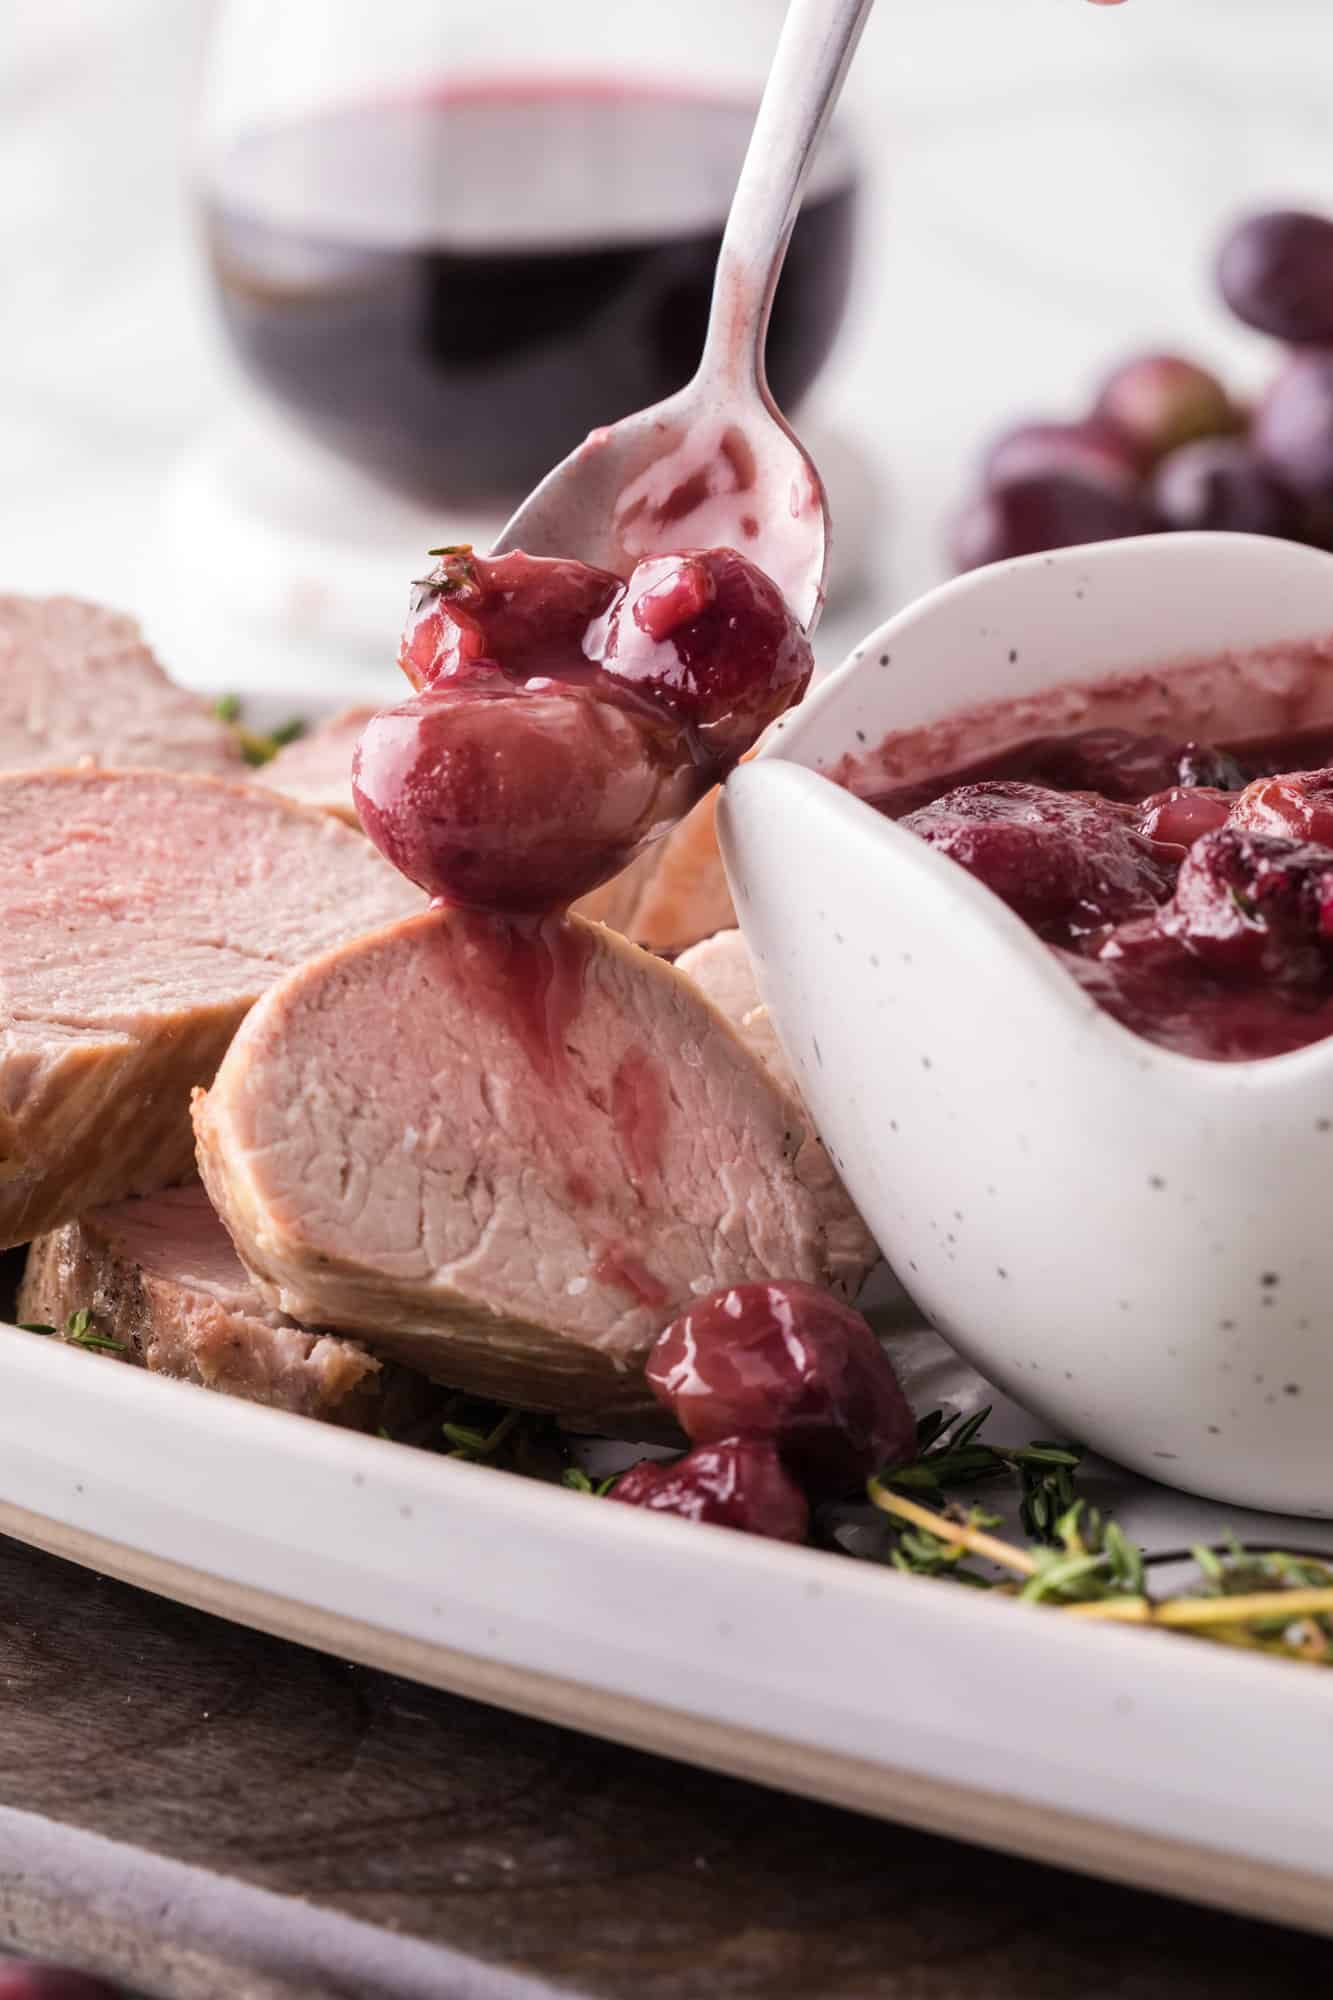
(453, 288)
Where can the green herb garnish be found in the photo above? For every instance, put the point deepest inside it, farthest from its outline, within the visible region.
(79, 1331)
(950, 1452)
(468, 1442)
(1083, 1563)
(256, 746)
(578, 1481)
(460, 577)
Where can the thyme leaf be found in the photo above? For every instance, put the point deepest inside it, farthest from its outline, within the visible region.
(257, 746)
(1273, 1601)
(459, 567)
(578, 1481)
(951, 1452)
(78, 1331)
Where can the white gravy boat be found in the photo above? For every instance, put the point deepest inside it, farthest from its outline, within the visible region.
(1136, 1243)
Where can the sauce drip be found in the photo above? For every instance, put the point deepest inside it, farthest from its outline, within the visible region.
(619, 1268)
(528, 971)
(640, 1102)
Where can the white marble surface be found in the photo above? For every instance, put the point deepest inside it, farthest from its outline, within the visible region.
(1047, 179)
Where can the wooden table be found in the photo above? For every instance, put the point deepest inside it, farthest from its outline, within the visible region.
(492, 1856)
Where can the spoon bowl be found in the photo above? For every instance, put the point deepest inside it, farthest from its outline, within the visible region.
(1132, 1241)
(716, 464)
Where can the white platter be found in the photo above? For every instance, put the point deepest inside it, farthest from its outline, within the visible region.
(1158, 1761)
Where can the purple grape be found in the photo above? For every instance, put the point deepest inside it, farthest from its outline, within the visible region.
(1219, 483)
(736, 1482)
(1275, 271)
(786, 1362)
(1317, 524)
(1088, 451)
(1046, 511)
(1067, 863)
(25, 1981)
(1254, 904)
(1158, 401)
(1293, 427)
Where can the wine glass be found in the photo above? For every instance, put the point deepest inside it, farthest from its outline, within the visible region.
(448, 241)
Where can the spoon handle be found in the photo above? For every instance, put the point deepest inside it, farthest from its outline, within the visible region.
(814, 51)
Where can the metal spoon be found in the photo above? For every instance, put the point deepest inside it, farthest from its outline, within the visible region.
(716, 463)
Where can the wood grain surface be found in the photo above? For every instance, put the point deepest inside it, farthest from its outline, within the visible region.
(611, 1872)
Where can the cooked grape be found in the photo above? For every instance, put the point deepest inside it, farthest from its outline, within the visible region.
(786, 1362)
(564, 719)
(522, 796)
(1182, 814)
(527, 614)
(1275, 271)
(1066, 862)
(1254, 905)
(1295, 804)
(735, 1483)
(708, 637)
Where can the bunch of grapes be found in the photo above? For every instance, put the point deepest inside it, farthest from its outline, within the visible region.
(1166, 446)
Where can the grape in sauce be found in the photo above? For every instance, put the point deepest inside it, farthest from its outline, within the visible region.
(1187, 887)
(563, 719)
(788, 1363)
(736, 1482)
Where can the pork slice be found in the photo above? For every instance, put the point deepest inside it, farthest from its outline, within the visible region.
(77, 680)
(160, 1276)
(317, 769)
(506, 1160)
(722, 969)
(683, 896)
(141, 915)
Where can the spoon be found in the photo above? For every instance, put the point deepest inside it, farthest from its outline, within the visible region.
(716, 463)
(1132, 1241)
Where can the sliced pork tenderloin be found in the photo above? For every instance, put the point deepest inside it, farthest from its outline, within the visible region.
(317, 768)
(141, 915)
(506, 1159)
(77, 680)
(722, 969)
(683, 897)
(160, 1277)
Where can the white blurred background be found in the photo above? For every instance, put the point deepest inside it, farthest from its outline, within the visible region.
(1045, 184)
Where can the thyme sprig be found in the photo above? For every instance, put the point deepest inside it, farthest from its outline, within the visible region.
(79, 1331)
(486, 1433)
(1262, 1600)
(257, 746)
(950, 1452)
(578, 1481)
(459, 567)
